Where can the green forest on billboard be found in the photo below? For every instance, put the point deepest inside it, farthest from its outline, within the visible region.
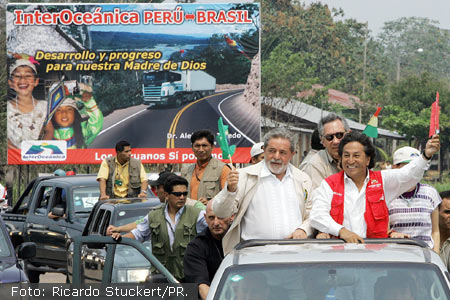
(307, 45)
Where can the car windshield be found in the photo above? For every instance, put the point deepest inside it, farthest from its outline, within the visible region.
(4, 247)
(84, 199)
(369, 281)
(155, 77)
(130, 215)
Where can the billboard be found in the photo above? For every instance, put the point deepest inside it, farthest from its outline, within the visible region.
(83, 77)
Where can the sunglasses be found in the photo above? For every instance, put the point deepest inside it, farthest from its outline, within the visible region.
(178, 194)
(338, 135)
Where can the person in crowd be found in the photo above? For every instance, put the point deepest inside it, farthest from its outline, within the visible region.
(316, 146)
(205, 253)
(332, 128)
(208, 175)
(162, 196)
(59, 172)
(400, 287)
(25, 114)
(122, 176)
(353, 204)
(170, 227)
(271, 198)
(444, 227)
(68, 122)
(415, 212)
(257, 153)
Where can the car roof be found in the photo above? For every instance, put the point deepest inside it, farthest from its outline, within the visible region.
(315, 251)
(131, 203)
(77, 180)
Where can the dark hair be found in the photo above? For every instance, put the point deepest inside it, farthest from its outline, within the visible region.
(204, 133)
(315, 141)
(121, 145)
(354, 136)
(174, 180)
(77, 131)
(445, 194)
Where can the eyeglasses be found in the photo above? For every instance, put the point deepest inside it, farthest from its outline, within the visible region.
(178, 194)
(27, 77)
(338, 135)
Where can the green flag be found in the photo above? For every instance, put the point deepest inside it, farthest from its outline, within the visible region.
(371, 129)
(222, 139)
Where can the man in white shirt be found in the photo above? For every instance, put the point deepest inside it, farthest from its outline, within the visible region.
(271, 198)
(352, 204)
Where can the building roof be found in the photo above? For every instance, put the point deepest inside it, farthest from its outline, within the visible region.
(307, 116)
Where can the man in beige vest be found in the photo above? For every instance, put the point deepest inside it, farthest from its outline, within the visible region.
(208, 175)
(324, 163)
(271, 198)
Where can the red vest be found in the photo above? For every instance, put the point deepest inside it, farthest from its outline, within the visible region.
(376, 214)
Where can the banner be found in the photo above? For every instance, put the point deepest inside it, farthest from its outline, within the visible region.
(88, 76)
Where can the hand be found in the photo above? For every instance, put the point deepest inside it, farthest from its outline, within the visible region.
(142, 195)
(350, 237)
(323, 236)
(232, 181)
(111, 229)
(203, 200)
(116, 236)
(432, 146)
(298, 234)
(104, 197)
(398, 235)
(86, 92)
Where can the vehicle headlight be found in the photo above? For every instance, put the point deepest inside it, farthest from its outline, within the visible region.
(132, 275)
(163, 92)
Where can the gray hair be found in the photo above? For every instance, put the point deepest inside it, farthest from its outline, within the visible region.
(280, 133)
(330, 118)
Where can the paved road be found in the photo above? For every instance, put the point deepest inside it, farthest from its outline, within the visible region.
(170, 127)
(52, 278)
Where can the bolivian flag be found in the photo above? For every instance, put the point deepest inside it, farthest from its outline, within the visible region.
(371, 129)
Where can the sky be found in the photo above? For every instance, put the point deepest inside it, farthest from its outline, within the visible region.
(376, 12)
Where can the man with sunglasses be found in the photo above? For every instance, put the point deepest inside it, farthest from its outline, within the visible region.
(324, 163)
(170, 227)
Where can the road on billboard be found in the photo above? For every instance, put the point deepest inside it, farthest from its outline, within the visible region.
(170, 127)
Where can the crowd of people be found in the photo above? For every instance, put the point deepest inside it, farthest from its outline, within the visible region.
(338, 194)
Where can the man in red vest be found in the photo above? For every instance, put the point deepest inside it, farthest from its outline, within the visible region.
(353, 204)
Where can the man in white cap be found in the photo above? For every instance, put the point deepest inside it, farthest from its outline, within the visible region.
(415, 213)
(257, 153)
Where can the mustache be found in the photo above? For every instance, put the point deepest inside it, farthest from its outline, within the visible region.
(277, 161)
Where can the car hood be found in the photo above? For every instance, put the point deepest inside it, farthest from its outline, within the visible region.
(9, 272)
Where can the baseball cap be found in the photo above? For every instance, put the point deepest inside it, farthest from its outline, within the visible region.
(257, 149)
(405, 155)
(22, 63)
(161, 178)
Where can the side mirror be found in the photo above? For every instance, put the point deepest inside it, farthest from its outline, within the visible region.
(58, 211)
(27, 250)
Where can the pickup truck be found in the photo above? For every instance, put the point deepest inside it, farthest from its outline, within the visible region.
(130, 265)
(70, 200)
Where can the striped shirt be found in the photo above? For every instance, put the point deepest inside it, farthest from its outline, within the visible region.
(411, 212)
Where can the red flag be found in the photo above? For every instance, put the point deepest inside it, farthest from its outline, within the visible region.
(434, 118)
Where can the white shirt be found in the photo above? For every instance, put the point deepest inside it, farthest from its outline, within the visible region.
(274, 212)
(142, 232)
(395, 183)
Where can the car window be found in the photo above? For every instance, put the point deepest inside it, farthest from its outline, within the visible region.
(43, 200)
(59, 198)
(98, 221)
(84, 198)
(130, 215)
(5, 251)
(130, 265)
(105, 222)
(370, 281)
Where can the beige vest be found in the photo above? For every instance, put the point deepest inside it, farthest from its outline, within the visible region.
(210, 184)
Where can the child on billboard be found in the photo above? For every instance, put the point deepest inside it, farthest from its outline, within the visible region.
(26, 115)
(68, 122)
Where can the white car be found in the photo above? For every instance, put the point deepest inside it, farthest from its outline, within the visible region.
(380, 269)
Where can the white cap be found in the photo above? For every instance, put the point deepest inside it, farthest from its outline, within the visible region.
(69, 102)
(22, 63)
(405, 155)
(257, 149)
